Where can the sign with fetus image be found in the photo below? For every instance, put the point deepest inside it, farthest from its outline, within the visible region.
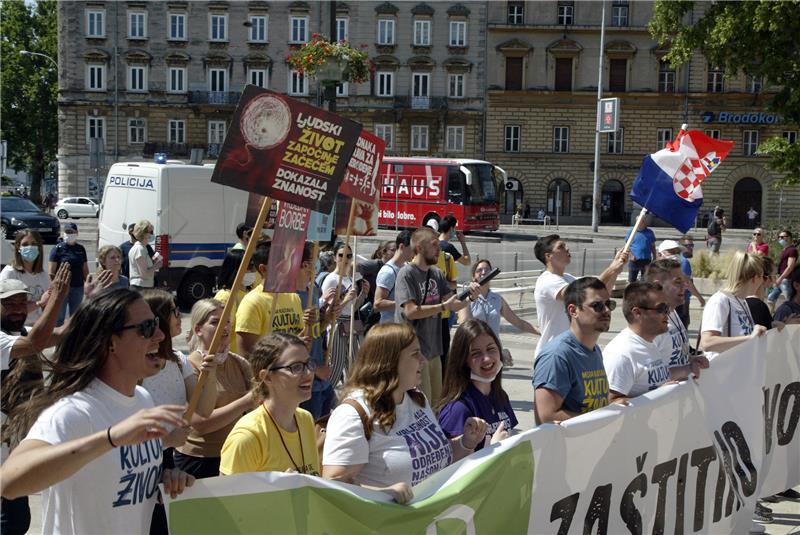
(286, 254)
(365, 219)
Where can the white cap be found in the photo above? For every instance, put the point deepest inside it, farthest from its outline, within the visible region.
(668, 245)
(433, 224)
(11, 287)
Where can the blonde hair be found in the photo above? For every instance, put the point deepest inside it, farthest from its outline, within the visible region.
(103, 252)
(141, 228)
(742, 268)
(201, 311)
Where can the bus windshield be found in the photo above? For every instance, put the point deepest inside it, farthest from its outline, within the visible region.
(483, 189)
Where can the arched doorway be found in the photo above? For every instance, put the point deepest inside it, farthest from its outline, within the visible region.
(559, 194)
(612, 206)
(746, 193)
(513, 195)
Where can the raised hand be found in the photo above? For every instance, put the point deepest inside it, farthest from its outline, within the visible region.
(147, 424)
(474, 432)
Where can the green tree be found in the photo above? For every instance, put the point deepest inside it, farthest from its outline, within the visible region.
(29, 88)
(759, 38)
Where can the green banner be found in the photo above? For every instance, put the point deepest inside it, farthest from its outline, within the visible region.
(494, 497)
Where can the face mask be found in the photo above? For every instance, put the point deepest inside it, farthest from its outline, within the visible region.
(782, 243)
(249, 278)
(673, 257)
(70, 238)
(29, 253)
(482, 379)
(151, 240)
(317, 266)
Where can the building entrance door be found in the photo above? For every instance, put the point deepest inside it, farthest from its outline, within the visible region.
(746, 193)
(612, 202)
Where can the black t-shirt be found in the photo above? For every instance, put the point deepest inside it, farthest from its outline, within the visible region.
(448, 247)
(760, 312)
(369, 270)
(75, 256)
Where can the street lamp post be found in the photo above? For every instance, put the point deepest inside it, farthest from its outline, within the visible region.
(29, 53)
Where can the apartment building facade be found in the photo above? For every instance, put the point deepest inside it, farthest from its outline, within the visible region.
(139, 77)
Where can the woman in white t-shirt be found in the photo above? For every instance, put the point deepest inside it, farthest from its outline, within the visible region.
(142, 269)
(28, 267)
(727, 321)
(384, 435)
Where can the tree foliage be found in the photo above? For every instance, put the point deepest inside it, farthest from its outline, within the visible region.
(760, 38)
(29, 86)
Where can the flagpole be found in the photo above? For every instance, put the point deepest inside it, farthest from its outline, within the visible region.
(596, 180)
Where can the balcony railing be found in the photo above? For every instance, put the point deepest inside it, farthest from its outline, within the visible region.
(420, 103)
(214, 97)
(170, 149)
(213, 150)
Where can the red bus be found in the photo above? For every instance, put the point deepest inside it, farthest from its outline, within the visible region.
(416, 190)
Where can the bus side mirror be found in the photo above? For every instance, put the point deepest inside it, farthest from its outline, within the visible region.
(467, 174)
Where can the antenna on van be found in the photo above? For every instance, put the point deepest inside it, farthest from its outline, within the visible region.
(196, 157)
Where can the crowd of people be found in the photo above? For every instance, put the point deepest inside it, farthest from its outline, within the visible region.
(352, 377)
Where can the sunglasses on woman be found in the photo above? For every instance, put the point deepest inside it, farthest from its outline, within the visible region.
(349, 256)
(146, 329)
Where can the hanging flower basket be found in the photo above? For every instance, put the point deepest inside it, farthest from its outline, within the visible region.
(321, 59)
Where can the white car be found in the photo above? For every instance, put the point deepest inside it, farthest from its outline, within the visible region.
(76, 207)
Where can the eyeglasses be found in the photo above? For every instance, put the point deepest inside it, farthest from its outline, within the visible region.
(661, 308)
(599, 306)
(296, 368)
(784, 237)
(341, 255)
(756, 234)
(146, 329)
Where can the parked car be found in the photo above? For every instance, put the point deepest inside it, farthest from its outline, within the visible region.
(18, 213)
(76, 207)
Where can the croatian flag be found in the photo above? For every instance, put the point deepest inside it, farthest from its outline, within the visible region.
(669, 182)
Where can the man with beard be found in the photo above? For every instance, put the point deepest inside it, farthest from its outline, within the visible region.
(632, 360)
(21, 369)
(674, 345)
(422, 293)
(568, 376)
(682, 252)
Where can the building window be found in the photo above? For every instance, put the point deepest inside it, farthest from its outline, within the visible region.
(419, 137)
(385, 85)
(422, 33)
(511, 137)
(386, 133)
(716, 80)
(617, 75)
(713, 134)
(177, 79)
(95, 24)
(342, 89)
(563, 74)
(299, 28)
(96, 77)
(216, 132)
(755, 83)
(176, 131)
(615, 141)
(137, 25)
(455, 139)
(790, 136)
(258, 77)
(455, 86)
(566, 12)
(177, 26)
(458, 33)
(561, 139)
(559, 196)
(666, 78)
(619, 14)
(513, 74)
(421, 84)
(137, 131)
(258, 28)
(663, 136)
(297, 83)
(385, 32)
(516, 13)
(341, 29)
(218, 28)
(749, 142)
(137, 78)
(217, 79)
(95, 128)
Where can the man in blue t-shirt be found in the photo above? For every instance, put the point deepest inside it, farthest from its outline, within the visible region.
(387, 276)
(643, 250)
(568, 377)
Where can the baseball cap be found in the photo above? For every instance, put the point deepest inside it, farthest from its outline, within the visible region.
(667, 245)
(433, 224)
(70, 226)
(11, 287)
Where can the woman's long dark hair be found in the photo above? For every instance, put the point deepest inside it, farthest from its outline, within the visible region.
(456, 376)
(79, 357)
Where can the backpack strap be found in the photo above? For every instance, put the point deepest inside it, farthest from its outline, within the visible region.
(361, 414)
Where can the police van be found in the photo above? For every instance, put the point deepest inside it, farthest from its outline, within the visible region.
(194, 220)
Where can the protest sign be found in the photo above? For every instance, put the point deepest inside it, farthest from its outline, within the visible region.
(360, 180)
(320, 226)
(365, 216)
(286, 253)
(286, 149)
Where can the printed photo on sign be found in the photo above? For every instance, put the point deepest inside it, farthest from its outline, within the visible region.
(361, 179)
(286, 253)
(286, 149)
(320, 226)
(365, 221)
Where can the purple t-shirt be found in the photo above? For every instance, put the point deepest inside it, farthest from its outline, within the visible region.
(474, 403)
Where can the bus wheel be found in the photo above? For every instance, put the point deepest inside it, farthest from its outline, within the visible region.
(430, 217)
(196, 285)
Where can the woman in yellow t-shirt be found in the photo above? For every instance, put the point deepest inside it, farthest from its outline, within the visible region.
(278, 435)
(227, 274)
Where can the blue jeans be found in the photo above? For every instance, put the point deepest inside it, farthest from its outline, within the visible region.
(774, 293)
(321, 402)
(73, 300)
